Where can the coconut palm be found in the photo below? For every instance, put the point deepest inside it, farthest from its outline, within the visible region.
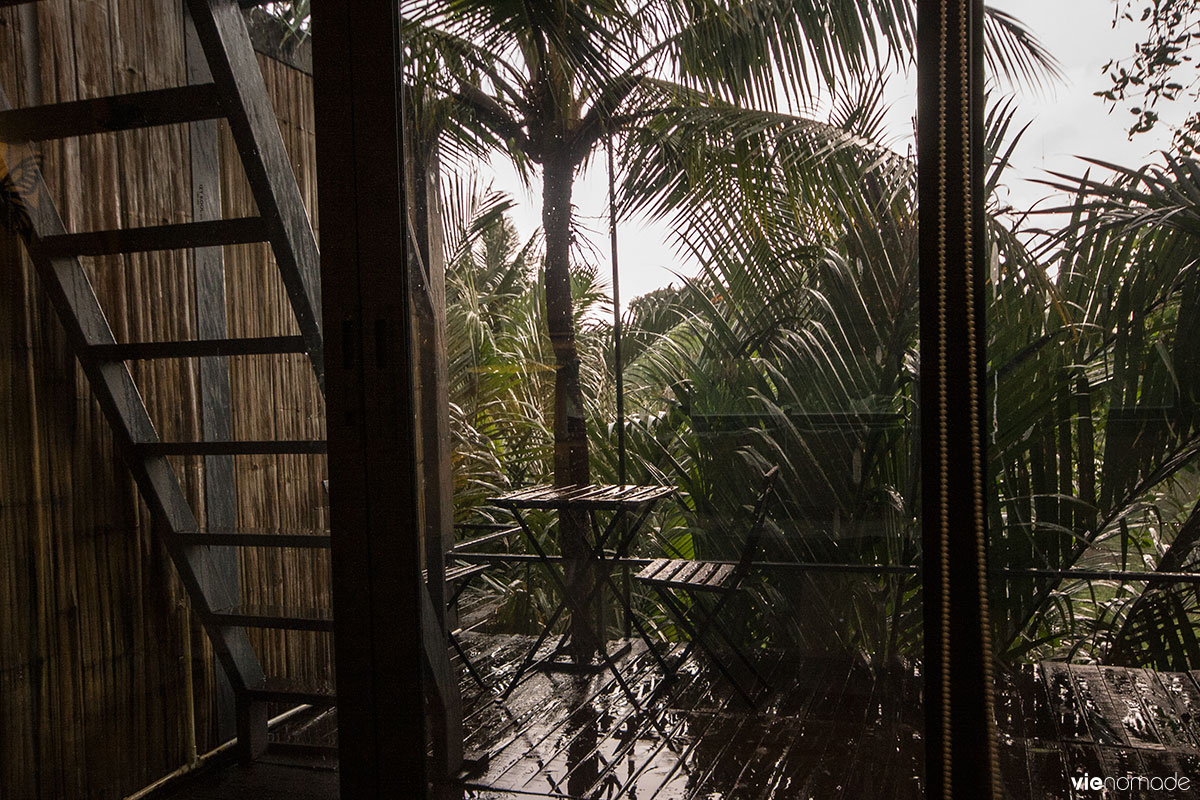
(501, 371)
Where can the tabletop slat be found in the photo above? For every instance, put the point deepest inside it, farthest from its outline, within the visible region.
(592, 496)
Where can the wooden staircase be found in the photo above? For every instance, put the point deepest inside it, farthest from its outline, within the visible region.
(224, 83)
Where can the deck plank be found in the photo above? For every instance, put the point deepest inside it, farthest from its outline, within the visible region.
(1137, 720)
(1082, 758)
(1160, 709)
(582, 758)
(1183, 688)
(691, 727)
(706, 724)
(1098, 707)
(827, 730)
(1010, 725)
(800, 772)
(549, 701)
(1068, 712)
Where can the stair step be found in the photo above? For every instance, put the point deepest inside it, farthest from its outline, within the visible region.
(179, 236)
(277, 617)
(280, 690)
(199, 348)
(120, 112)
(238, 539)
(243, 448)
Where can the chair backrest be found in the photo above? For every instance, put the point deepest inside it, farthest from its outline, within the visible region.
(758, 521)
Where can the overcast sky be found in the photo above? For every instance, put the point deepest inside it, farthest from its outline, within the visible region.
(1065, 121)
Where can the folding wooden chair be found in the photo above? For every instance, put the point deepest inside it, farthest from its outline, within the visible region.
(673, 579)
(458, 576)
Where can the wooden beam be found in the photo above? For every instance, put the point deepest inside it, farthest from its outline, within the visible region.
(201, 348)
(239, 448)
(427, 273)
(271, 37)
(236, 539)
(71, 294)
(275, 690)
(276, 617)
(178, 236)
(221, 29)
(115, 113)
(216, 407)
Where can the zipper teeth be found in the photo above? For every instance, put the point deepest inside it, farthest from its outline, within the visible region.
(943, 444)
(979, 528)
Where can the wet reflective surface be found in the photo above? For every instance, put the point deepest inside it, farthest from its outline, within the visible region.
(1060, 722)
(826, 729)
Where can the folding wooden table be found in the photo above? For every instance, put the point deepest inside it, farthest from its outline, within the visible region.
(628, 507)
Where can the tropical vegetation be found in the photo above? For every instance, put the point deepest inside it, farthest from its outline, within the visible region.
(796, 342)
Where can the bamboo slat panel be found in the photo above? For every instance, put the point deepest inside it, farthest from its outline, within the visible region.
(278, 397)
(105, 678)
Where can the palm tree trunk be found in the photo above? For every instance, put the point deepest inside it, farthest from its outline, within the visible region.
(570, 428)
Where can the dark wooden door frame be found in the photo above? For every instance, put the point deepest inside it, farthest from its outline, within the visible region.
(369, 401)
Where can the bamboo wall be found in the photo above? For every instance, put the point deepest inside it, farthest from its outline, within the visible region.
(105, 678)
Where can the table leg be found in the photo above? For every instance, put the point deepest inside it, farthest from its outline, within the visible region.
(532, 654)
(579, 608)
(628, 602)
(599, 604)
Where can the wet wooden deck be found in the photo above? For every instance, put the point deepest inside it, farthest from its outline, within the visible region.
(828, 730)
(561, 735)
(1062, 721)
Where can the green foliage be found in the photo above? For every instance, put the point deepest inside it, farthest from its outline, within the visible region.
(799, 348)
(1163, 67)
(500, 362)
(296, 15)
(796, 346)
(1094, 359)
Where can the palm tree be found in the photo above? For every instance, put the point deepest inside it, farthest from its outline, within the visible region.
(501, 371)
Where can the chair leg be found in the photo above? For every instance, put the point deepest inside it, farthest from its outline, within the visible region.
(756, 676)
(533, 651)
(714, 623)
(662, 662)
(458, 648)
(631, 620)
(671, 603)
(698, 640)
